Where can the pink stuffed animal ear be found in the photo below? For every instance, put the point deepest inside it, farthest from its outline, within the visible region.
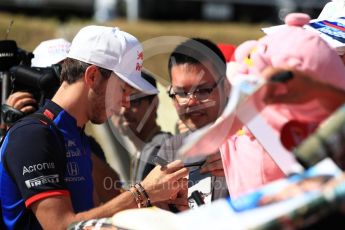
(242, 53)
(244, 50)
(297, 19)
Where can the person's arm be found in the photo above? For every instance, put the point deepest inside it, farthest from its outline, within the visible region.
(167, 151)
(57, 212)
(330, 97)
(300, 88)
(161, 184)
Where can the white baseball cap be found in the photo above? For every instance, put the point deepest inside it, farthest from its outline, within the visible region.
(112, 49)
(50, 52)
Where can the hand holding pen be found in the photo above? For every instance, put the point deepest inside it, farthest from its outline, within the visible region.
(157, 160)
(213, 165)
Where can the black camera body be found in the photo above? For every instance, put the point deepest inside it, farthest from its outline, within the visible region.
(11, 55)
(41, 82)
(18, 75)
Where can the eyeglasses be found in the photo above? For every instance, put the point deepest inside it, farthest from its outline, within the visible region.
(201, 94)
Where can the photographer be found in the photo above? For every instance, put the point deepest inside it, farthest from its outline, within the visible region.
(29, 85)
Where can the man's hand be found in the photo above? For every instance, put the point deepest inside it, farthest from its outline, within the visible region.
(181, 200)
(290, 91)
(213, 165)
(164, 183)
(299, 89)
(22, 101)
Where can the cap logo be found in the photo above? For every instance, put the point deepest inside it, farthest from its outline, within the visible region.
(58, 48)
(140, 58)
(140, 55)
(138, 67)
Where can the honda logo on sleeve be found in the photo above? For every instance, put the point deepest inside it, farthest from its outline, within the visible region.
(72, 168)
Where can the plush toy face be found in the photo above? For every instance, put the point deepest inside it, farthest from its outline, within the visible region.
(296, 48)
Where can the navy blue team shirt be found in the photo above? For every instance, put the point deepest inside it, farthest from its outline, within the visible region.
(39, 166)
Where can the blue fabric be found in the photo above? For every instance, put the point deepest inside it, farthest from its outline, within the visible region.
(32, 151)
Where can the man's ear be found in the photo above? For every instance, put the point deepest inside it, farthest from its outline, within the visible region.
(91, 76)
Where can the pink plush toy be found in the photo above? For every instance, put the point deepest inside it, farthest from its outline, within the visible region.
(246, 163)
(293, 47)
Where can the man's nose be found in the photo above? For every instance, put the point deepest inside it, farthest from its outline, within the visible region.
(125, 103)
(192, 100)
(123, 110)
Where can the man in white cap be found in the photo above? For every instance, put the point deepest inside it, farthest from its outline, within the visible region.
(46, 169)
(47, 54)
(50, 54)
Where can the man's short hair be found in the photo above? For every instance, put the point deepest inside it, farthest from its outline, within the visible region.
(73, 70)
(198, 51)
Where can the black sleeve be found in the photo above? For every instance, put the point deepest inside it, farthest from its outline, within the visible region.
(35, 159)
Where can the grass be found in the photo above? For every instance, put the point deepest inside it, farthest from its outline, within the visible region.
(29, 31)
